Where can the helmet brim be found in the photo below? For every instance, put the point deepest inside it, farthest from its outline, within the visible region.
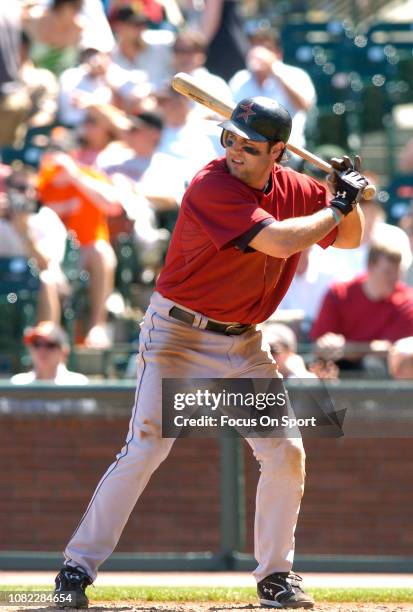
(242, 130)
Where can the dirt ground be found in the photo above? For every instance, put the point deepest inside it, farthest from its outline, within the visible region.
(217, 607)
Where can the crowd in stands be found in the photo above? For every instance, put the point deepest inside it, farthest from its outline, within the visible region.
(96, 150)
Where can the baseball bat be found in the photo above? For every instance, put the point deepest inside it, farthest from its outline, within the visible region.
(189, 87)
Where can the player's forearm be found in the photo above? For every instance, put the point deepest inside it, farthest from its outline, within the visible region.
(284, 238)
(104, 196)
(296, 97)
(350, 230)
(300, 102)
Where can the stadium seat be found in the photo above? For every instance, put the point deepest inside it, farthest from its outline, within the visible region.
(19, 286)
(398, 197)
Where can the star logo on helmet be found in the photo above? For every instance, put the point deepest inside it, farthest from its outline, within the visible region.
(246, 111)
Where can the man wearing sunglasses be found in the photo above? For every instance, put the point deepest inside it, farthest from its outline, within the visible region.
(49, 349)
(243, 222)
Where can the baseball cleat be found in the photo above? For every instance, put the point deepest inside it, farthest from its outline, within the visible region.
(71, 583)
(283, 591)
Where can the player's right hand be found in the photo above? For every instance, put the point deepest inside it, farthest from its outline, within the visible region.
(349, 190)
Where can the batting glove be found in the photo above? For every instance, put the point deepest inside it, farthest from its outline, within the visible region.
(349, 189)
(340, 164)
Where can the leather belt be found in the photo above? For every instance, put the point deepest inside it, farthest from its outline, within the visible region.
(234, 329)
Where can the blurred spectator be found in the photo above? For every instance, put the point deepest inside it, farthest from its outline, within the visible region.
(184, 136)
(189, 55)
(267, 75)
(400, 359)
(88, 77)
(406, 158)
(141, 134)
(56, 32)
(282, 342)
(41, 85)
(140, 49)
(31, 234)
(96, 32)
(406, 224)
(222, 25)
(84, 198)
(152, 9)
(49, 350)
(283, 347)
(368, 313)
(137, 177)
(308, 287)
(14, 100)
(97, 144)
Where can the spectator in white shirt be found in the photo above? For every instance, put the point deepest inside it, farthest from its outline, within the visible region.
(98, 79)
(49, 350)
(40, 236)
(139, 48)
(267, 75)
(189, 55)
(185, 136)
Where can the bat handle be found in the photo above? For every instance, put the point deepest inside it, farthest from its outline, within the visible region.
(369, 191)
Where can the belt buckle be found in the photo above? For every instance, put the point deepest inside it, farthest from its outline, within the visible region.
(236, 329)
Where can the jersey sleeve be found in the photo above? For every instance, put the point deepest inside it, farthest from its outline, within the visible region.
(225, 210)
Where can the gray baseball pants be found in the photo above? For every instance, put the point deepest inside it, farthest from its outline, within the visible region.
(172, 349)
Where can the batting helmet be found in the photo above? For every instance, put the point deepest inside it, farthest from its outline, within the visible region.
(259, 119)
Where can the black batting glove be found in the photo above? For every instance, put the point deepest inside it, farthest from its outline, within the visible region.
(349, 189)
(341, 164)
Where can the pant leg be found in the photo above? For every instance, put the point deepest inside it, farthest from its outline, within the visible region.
(282, 473)
(168, 349)
(120, 487)
(279, 492)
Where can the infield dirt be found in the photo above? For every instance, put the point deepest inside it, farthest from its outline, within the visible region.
(217, 607)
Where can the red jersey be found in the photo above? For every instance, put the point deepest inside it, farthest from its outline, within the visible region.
(347, 310)
(209, 267)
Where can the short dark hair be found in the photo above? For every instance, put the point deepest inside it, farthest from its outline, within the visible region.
(378, 250)
(265, 35)
(192, 39)
(58, 4)
(147, 119)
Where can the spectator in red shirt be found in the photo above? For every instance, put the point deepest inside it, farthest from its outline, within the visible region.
(368, 313)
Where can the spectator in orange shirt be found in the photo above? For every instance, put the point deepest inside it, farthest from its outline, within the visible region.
(83, 198)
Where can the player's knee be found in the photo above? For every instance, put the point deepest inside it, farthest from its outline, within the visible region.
(148, 445)
(286, 457)
(295, 459)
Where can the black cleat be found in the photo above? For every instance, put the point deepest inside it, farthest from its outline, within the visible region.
(71, 583)
(283, 591)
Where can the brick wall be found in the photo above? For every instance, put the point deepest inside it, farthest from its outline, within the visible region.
(358, 496)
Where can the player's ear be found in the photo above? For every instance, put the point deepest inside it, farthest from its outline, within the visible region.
(277, 150)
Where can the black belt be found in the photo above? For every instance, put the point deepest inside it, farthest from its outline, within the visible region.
(235, 329)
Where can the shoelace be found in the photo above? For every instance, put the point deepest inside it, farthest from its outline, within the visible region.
(294, 579)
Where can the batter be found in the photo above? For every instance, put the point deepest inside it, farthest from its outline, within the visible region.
(243, 221)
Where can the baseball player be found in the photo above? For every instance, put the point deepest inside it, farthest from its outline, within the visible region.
(243, 221)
